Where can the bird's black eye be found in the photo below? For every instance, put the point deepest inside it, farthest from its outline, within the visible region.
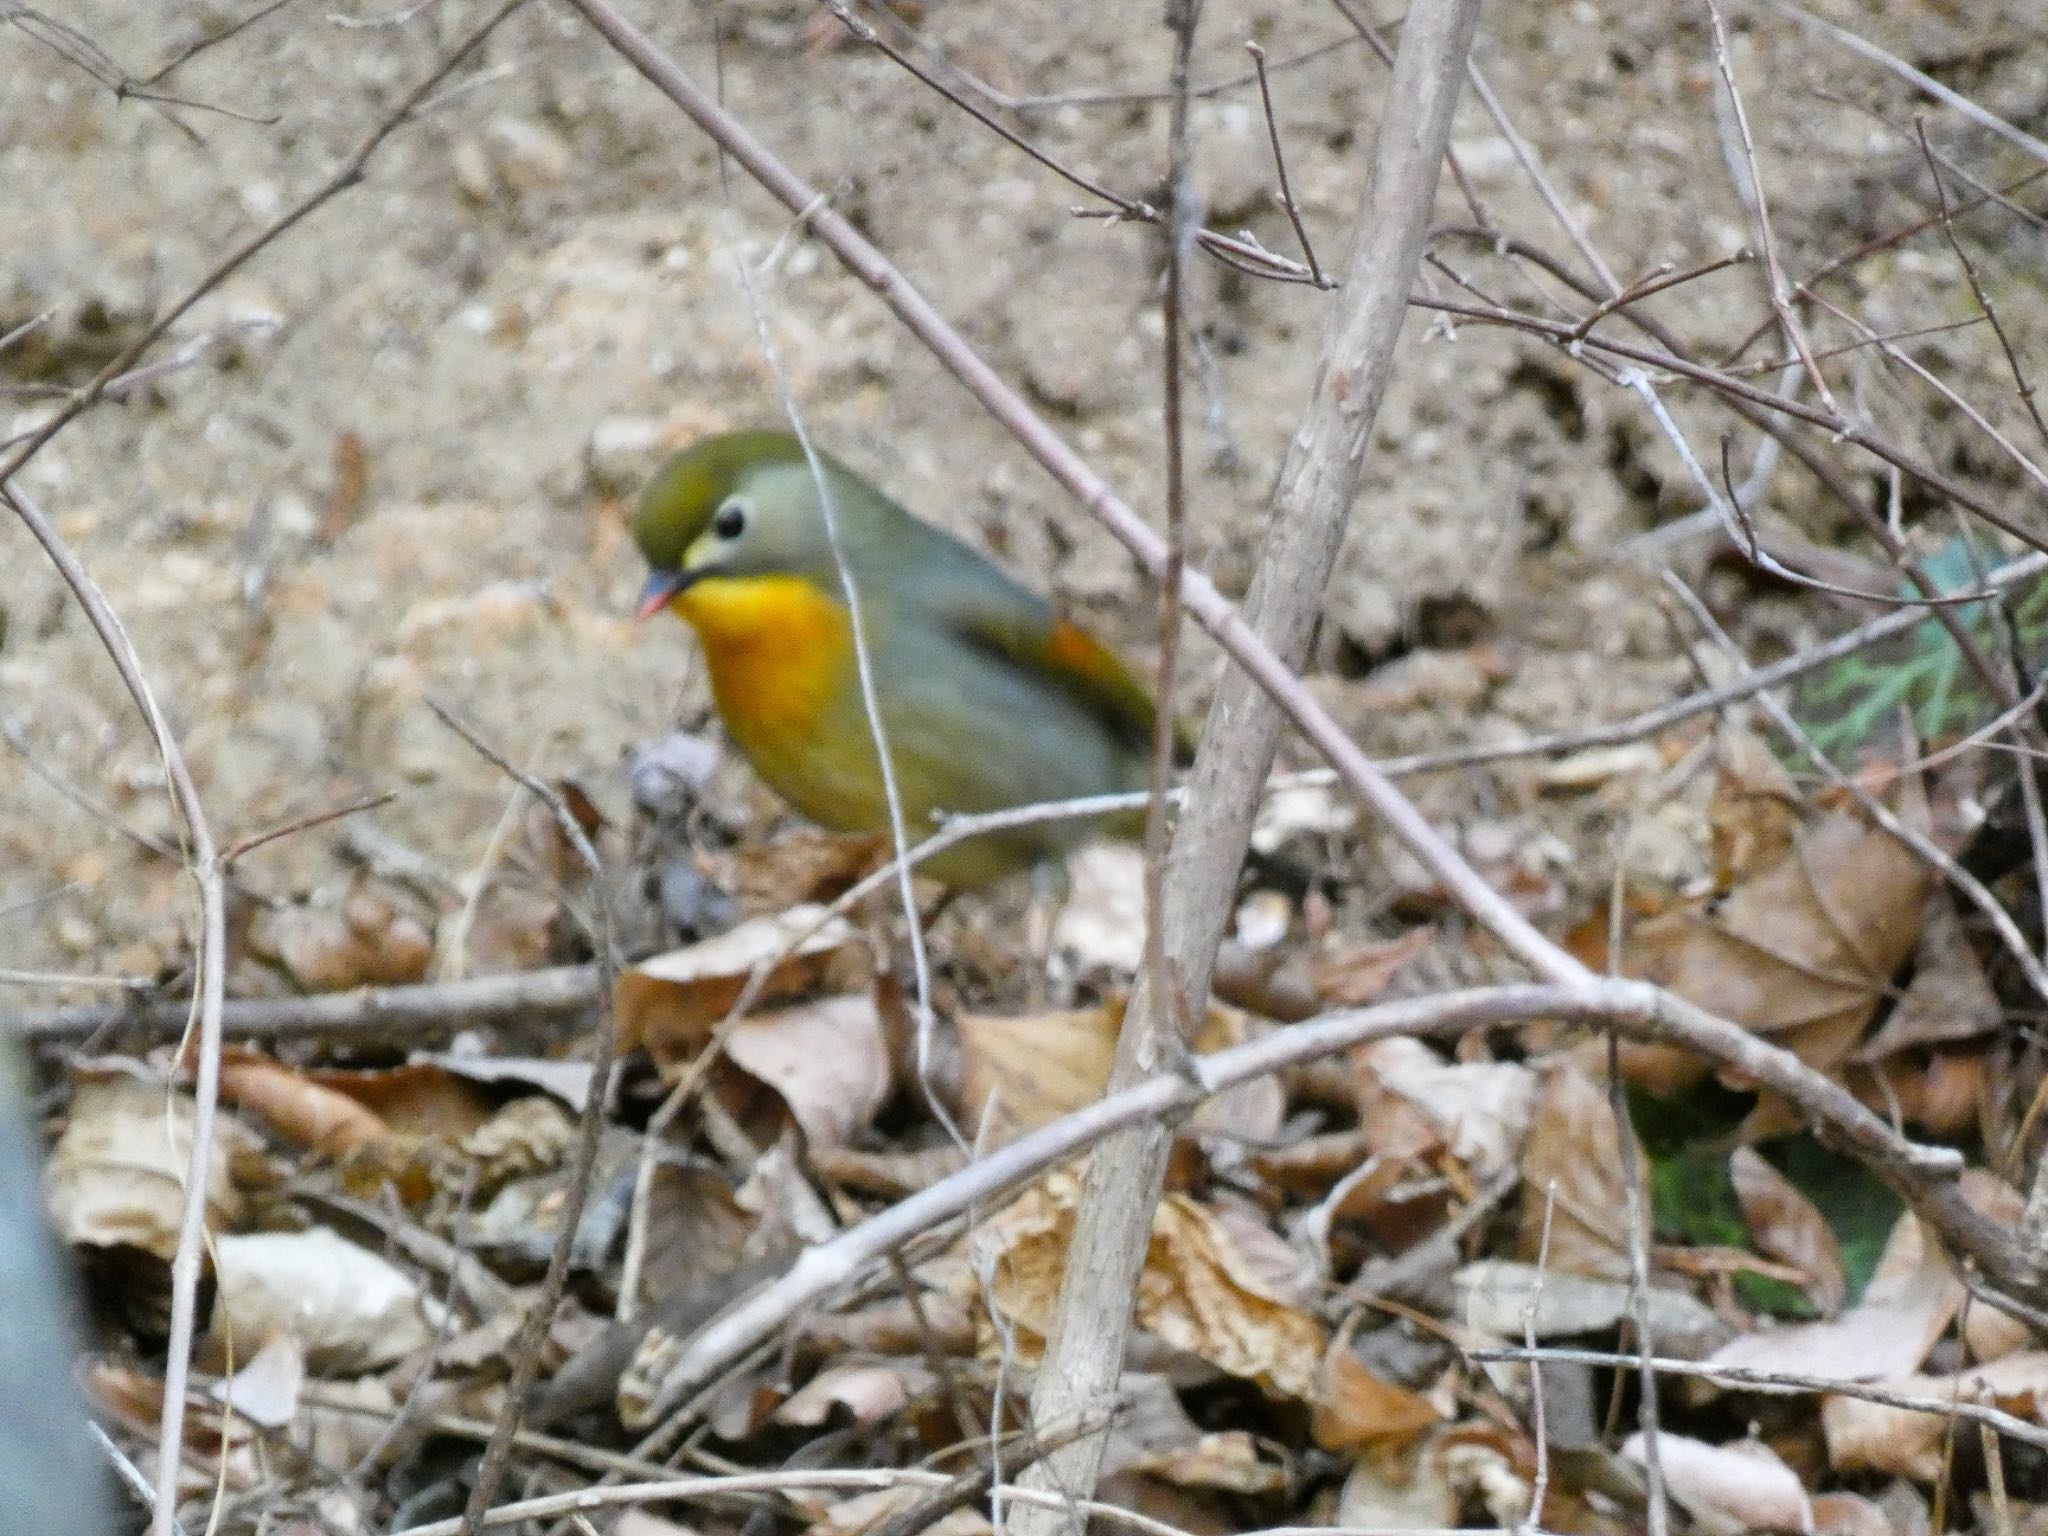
(731, 521)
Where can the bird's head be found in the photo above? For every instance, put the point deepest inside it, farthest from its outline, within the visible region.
(737, 505)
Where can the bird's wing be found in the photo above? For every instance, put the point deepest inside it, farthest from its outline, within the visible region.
(990, 612)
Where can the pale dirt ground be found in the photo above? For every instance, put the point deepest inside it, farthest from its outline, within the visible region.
(533, 295)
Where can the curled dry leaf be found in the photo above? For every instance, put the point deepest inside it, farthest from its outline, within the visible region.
(1863, 1436)
(349, 1308)
(1417, 1105)
(1225, 1461)
(297, 1109)
(860, 1392)
(1805, 948)
(827, 1060)
(1785, 1225)
(1574, 1149)
(668, 1005)
(527, 1136)
(1745, 1481)
(116, 1177)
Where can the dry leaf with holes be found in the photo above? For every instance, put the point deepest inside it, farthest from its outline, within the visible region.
(1863, 1436)
(1574, 1150)
(1804, 949)
(350, 1309)
(1785, 1225)
(1745, 1481)
(825, 1060)
(116, 1177)
(669, 1004)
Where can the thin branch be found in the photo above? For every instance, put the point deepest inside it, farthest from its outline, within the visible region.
(1308, 250)
(2023, 1430)
(526, 1348)
(1315, 491)
(1920, 79)
(205, 1008)
(2021, 384)
(1924, 1176)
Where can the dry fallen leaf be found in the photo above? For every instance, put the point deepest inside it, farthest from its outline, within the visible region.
(1019, 1072)
(1745, 1481)
(1948, 999)
(826, 1060)
(1417, 1105)
(116, 1177)
(1863, 1436)
(265, 1391)
(1101, 927)
(296, 1108)
(1911, 1298)
(1804, 949)
(1571, 1168)
(368, 942)
(1786, 1226)
(1217, 1284)
(349, 1308)
(1498, 1298)
(862, 1392)
(668, 1005)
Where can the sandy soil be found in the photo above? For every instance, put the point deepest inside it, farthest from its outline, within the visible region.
(533, 295)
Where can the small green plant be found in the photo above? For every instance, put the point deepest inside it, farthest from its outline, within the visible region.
(1848, 704)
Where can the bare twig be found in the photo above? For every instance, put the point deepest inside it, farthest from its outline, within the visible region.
(1317, 484)
(1243, 254)
(1920, 79)
(526, 1348)
(1760, 210)
(2024, 1430)
(1308, 250)
(1923, 1176)
(205, 1008)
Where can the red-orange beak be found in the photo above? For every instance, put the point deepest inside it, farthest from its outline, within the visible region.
(661, 588)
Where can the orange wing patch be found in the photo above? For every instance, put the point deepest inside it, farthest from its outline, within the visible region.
(1100, 676)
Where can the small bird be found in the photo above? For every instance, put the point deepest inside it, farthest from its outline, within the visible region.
(988, 699)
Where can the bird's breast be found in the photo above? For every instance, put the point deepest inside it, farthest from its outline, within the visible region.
(777, 649)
